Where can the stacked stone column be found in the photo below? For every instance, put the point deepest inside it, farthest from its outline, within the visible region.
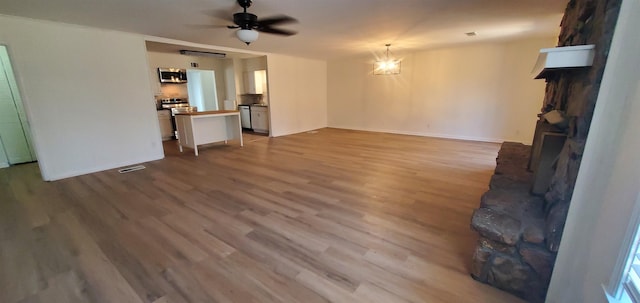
(511, 253)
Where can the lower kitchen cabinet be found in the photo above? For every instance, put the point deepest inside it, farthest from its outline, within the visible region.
(164, 117)
(260, 119)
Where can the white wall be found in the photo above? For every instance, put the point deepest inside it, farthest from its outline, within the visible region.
(607, 189)
(230, 81)
(253, 64)
(297, 94)
(87, 95)
(478, 92)
(237, 76)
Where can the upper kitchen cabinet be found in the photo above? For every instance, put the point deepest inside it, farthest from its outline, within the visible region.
(253, 75)
(256, 81)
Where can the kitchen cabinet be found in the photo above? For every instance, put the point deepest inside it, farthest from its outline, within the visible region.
(255, 82)
(166, 129)
(249, 82)
(260, 119)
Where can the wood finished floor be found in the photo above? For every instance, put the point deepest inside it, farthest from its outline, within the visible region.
(335, 216)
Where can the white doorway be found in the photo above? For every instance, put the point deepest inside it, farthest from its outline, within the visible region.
(201, 86)
(15, 135)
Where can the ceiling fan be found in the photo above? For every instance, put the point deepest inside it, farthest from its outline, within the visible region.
(249, 25)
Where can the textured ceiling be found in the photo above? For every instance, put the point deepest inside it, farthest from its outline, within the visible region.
(327, 28)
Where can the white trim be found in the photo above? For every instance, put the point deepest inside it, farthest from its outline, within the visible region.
(105, 167)
(624, 298)
(424, 134)
(5, 159)
(288, 133)
(615, 286)
(26, 105)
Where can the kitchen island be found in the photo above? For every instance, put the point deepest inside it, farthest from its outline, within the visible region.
(197, 128)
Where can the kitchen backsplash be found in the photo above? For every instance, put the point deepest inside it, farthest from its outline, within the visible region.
(251, 98)
(174, 91)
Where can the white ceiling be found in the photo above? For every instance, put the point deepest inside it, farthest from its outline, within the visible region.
(327, 28)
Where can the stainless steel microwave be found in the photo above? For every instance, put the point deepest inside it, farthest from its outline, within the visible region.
(172, 75)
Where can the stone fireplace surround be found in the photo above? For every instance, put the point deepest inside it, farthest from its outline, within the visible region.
(520, 232)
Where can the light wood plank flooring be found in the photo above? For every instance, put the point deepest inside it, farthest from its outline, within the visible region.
(333, 216)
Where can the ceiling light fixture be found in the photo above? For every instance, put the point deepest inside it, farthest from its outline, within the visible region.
(388, 66)
(203, 54)
(247, 35)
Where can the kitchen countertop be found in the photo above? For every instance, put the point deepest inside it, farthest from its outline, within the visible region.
(209, 112)
(255, 105)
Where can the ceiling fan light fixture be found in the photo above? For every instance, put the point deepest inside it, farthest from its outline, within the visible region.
(247, 35)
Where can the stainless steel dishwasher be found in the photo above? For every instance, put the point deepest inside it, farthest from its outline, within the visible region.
(245, 116)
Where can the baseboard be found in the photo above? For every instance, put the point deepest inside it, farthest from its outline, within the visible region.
(424, 134)
(75, 173)
(297, 132)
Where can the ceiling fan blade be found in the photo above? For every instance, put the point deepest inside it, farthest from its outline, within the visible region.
(276, 31)
(279, 19)
(232, 26)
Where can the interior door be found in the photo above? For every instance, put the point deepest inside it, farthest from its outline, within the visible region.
(15, 139)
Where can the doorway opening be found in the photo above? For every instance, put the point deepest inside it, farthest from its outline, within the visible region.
(16, 146)
(213, 83)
